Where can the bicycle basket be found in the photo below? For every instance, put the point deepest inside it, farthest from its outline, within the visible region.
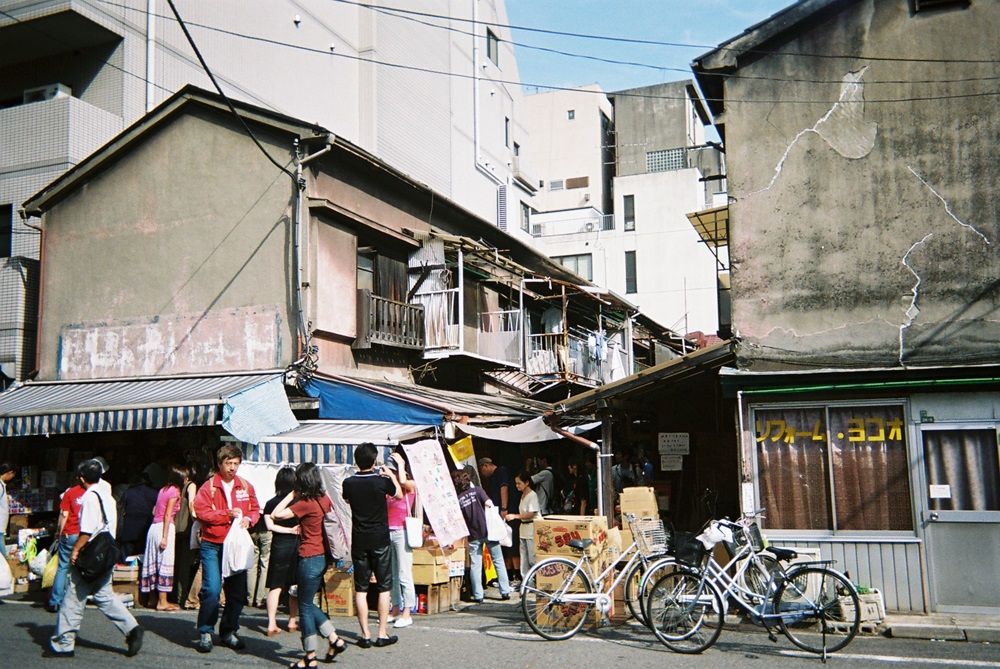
(688, 549)
(747, 535)
(650, 536)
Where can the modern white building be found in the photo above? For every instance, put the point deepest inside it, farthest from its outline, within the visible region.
(618, 174)
(431, 96)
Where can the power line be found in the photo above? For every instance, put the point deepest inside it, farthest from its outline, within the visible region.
(660, 68)
(633, 40)
(229, 102)
(460, 75)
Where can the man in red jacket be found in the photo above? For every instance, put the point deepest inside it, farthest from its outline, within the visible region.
(220, 501)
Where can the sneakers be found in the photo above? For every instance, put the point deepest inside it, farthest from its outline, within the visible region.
(49, 653)
(204, 644)
(234, 642)
(403, 622)
(134, 641)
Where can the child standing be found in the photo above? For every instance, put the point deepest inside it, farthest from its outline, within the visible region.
(158, 561)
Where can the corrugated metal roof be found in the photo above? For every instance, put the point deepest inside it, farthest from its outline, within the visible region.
(51, 397)
(347, 432)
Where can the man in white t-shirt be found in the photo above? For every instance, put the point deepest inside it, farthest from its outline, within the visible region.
(97, 514)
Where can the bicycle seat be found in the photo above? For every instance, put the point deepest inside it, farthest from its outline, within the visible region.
(580, 544)
(785, 554)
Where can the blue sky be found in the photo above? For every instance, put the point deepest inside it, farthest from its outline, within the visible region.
(704, 22)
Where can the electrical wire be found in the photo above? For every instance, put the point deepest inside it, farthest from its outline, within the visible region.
(460, 75)
(633, 40)
(225, 97)
(661, 68)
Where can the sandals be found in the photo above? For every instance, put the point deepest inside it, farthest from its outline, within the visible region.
(304, 663)
(336, 649)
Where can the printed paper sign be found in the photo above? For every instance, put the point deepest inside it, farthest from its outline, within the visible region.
(674, 443)
(437, 492)
(463, 455)
(940, 492)
(671, 463)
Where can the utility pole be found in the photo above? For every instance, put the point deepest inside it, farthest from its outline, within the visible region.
(604, 461)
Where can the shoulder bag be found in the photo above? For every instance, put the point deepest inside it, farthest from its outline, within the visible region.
(414, 527)
(101, 553)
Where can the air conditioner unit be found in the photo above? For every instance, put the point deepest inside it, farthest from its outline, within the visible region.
(589, 226)
(43, 93)
(536, 229)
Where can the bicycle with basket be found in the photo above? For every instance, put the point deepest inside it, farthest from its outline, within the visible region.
(814, 606)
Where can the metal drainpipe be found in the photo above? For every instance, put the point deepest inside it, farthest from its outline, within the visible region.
(41, 293)
(606, 487)
(150, 53)
(297, 236)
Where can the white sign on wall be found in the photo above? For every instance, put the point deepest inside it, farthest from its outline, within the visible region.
(674, 443)
(671, 463)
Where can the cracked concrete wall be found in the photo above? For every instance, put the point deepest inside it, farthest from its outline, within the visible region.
(865, 230)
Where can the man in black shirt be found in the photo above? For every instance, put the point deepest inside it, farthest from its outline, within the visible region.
(371, 549)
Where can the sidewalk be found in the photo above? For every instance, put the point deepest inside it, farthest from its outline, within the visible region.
(945, 626)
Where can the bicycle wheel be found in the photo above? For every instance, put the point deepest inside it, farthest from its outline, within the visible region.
(685, 611)
(758, 575)
(544, 603)
(646, 581)
(819, 609)
(633, 596)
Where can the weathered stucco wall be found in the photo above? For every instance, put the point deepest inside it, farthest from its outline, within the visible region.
(174, 260)
(866, 231)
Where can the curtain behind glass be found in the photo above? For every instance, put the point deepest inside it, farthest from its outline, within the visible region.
(792, 468)
(870, 470)
(967, 462)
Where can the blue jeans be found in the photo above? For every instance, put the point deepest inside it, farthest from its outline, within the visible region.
(312, 621)
(65, 548)
(211, 584)
(476, 566)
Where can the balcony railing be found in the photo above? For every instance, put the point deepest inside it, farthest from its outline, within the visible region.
(500, 336)
(572, 357)
(388, 322)
(441, 329)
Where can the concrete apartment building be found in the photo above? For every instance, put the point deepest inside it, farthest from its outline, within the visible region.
(617, 175)
(74, 74)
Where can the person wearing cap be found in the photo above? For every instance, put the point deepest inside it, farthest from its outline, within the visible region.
(7, 472)
(473, 501)
(96, 515)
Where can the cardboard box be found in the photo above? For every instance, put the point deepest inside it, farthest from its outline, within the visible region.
(638, 500)
(127, 588)
(18, 521)
(338, 594)
(455, 589)
(553, 534)
(438, 555)
(430, 574)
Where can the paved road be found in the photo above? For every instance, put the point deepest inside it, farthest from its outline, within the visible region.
(491, 635)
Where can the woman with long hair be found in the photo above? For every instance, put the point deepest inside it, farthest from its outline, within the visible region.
(404, 596)
(158, 561)
(309, 503)
(283, 562)
(527, 511)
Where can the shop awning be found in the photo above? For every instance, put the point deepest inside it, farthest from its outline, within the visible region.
(70, 407)
(330, 441)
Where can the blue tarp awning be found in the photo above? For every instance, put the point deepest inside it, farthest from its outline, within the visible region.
(342, 401)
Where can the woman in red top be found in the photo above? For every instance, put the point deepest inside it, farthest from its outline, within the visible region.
(309, 503)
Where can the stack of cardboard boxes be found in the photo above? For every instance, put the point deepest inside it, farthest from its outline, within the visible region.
(125, 582)
(640, 501)
(552, 537)
(438, 572)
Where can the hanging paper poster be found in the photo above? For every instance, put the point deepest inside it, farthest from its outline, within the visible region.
(463, 455)
(430, 471)
(674, 443)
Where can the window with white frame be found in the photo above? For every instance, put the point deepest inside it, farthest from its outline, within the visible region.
(525, 217)
(556, 184)
(493, 47)
(581, 263)
(629, 211)
(833, 468)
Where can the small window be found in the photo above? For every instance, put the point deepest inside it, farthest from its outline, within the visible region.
(506, 131)
(666, 160)
(525, 217)
(493, 47)
(366, 271)
(629, 212)
(582, 264)
(571, 114)
(556, 184)
(517, 150)
(630, 282)
(6, 230)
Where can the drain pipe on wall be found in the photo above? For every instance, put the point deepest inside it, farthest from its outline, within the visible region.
(150, 54)
(299, 238)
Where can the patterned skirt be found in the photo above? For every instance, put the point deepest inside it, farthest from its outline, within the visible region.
(157, 566)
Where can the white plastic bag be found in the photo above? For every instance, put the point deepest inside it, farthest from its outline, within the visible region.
(496, 529)
(37, 564)
(237, 550)
(414, 527)
(508, 537)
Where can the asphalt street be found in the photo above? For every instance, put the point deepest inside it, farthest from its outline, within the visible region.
(490, 635)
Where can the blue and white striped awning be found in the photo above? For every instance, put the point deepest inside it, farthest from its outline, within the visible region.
(330, 441)
(68, 407)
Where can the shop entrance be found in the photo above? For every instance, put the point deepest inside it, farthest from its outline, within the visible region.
(960, 466)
